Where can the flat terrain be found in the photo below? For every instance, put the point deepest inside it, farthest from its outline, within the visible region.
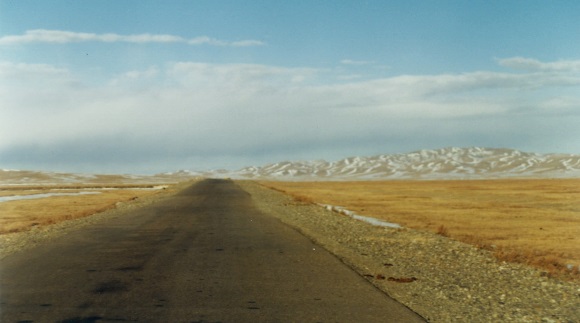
(206, 254)
(530, 221)
(22, 215)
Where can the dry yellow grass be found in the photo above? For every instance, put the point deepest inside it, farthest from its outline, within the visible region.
(22, 215)
(530, 221)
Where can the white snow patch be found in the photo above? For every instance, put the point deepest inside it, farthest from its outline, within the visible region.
(368, 219)
(40, 196)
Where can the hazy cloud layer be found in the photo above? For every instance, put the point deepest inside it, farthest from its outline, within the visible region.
(62, 37)
(198, 115)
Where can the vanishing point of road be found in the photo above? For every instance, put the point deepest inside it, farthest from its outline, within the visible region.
(204, 255)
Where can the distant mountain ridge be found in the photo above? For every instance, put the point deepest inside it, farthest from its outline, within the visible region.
(445, 163)
(31, 178)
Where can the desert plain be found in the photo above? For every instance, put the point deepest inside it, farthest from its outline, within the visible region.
(24, 214)
(530, 221)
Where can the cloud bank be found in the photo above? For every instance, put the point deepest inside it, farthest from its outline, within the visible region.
(198, 115)
(63, 37)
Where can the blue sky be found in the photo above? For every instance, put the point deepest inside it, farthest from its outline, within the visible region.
(153, 86)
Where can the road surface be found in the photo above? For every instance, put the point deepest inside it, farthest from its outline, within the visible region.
(204, 255)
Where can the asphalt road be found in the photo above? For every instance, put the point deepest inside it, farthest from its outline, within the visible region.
(205, 255)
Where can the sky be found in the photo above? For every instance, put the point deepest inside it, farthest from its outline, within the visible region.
(158, 86)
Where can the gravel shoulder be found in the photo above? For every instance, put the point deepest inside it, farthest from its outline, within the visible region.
(441, 279)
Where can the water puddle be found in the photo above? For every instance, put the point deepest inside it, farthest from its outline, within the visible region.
(367, 219)
(40, 196)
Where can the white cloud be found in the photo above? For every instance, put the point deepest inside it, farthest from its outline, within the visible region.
(350, 77)
(533, 65)
(10, 70)
(193, 109)
(62, 37)
(561, 104)
(247, 43)
(206, 40)
(353, 62)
